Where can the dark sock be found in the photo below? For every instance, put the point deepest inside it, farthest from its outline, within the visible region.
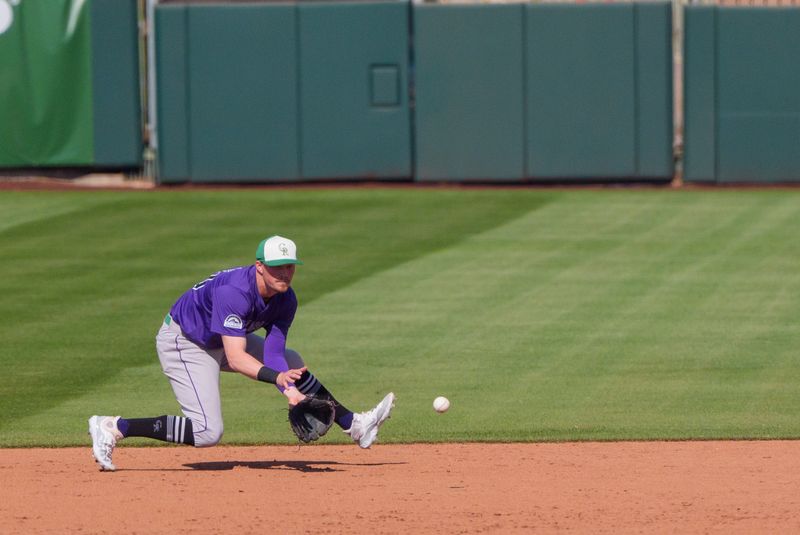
(165, 428)
(310, 385)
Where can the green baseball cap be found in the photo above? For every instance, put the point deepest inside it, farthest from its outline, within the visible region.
(277, 251)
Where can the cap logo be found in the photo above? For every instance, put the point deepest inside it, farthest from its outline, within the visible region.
(282, 248)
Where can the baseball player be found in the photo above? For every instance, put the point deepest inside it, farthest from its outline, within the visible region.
(209, 329)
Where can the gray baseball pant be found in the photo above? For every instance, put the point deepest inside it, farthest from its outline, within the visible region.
(193, 373)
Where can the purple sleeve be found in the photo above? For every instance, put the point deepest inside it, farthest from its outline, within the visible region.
(274, 348)
(275, 342)
(229, 312)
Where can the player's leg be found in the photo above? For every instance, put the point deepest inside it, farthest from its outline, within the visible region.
(363, 426)
(193, 373)
(194, 376)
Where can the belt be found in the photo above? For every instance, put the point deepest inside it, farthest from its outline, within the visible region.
(167, 319)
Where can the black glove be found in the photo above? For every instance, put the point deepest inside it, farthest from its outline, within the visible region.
(311, 418)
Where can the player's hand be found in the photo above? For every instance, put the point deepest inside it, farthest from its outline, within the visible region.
(285, 379)
(294, 396)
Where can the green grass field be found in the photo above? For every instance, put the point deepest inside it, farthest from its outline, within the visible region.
(541, 314)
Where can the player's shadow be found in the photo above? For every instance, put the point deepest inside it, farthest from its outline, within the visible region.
(300, 466)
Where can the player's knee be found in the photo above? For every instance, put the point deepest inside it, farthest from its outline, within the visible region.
(208, 437)
(293, 359)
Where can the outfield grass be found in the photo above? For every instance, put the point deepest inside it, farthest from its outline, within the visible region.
(541, 314)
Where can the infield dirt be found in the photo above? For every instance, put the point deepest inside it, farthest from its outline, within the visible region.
(649, 487)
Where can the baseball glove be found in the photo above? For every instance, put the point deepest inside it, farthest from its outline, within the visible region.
(311, 418)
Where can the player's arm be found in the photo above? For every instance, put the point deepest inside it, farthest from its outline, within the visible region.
(274, 357)
(275, 348)
(242, 362)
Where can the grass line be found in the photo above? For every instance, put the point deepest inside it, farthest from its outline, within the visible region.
(115, 263)
(542, 315)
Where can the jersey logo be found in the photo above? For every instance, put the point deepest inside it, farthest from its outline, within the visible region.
(233, 322)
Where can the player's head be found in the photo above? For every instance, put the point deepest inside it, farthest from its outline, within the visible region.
(276, 258)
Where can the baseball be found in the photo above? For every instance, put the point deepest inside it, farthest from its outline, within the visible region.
(441, 404)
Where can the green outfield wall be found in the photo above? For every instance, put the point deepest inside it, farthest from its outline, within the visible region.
(115, 84)
(172, 94)
(69, 85)
(598, 91)
(469, 91)
(581, 99)
(355, 120)
(742, 94)
(227, 97)
(254, 92)
(499, 92)
(242, 107)
(543, 91)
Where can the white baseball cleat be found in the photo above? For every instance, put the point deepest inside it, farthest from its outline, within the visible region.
(364, 429)
(104, 437)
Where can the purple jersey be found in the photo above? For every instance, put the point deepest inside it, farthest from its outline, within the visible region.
(228, 303)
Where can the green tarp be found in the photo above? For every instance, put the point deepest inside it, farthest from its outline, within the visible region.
(45, 83)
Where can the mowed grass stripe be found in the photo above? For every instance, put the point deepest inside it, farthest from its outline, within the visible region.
(473, 311)
(616, 339)
(578, 315)
(20, 207)
(618, 334)
(85, 291)
(610, 342)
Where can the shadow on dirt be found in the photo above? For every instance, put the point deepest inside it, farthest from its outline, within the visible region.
(300, 466)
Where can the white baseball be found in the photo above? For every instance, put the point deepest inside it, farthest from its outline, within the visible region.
(441, 404)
